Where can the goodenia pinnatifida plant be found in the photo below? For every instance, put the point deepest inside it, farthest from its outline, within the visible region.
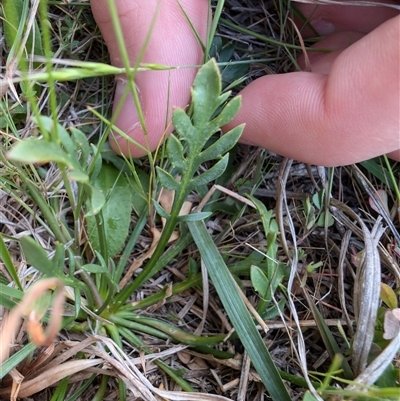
(187, 151)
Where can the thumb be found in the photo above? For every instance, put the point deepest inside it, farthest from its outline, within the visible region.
(345, 116)
(172, 42)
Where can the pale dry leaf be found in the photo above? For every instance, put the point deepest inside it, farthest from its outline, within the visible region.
(166, 200)
(49, 378)
(382, 198)
(184, 357)
(391, 324)
(137, 263)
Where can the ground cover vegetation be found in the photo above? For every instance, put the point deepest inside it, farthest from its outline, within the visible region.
(207, 270)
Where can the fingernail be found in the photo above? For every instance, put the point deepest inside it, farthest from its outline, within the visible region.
(323, 27)
(127, 118)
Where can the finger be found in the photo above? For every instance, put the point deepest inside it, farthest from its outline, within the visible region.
(327, 19)
(350, 115)
(395, 155)
(172, 42)
(322, 62)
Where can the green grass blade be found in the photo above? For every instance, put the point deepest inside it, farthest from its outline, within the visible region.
(16, 359)
(6, 259)
(238, 313)
(328, 339)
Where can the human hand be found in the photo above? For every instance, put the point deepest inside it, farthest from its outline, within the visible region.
(344, 111)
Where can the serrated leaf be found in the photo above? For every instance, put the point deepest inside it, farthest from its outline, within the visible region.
(222, 145)
(37, 257)
(115, 213)
(167, 181)
(175, 152)
(211, 174)
(205, 93)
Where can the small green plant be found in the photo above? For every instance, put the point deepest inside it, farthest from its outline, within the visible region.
(99, 201)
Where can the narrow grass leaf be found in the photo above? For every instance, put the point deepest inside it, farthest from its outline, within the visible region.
(238, 313)
(8, 263)
(9, 296)
(194, 217)
(330, 343)
(16, 359)
(379, 171)
(14, 18)
(96, 269)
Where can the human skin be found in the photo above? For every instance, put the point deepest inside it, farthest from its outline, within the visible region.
(345, 110)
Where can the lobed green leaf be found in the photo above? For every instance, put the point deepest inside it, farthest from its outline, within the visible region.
(175, 152)
(205, 93)
(222, 145)
(167, 181)
(228, 112)
(211, 174)
(183, 126)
